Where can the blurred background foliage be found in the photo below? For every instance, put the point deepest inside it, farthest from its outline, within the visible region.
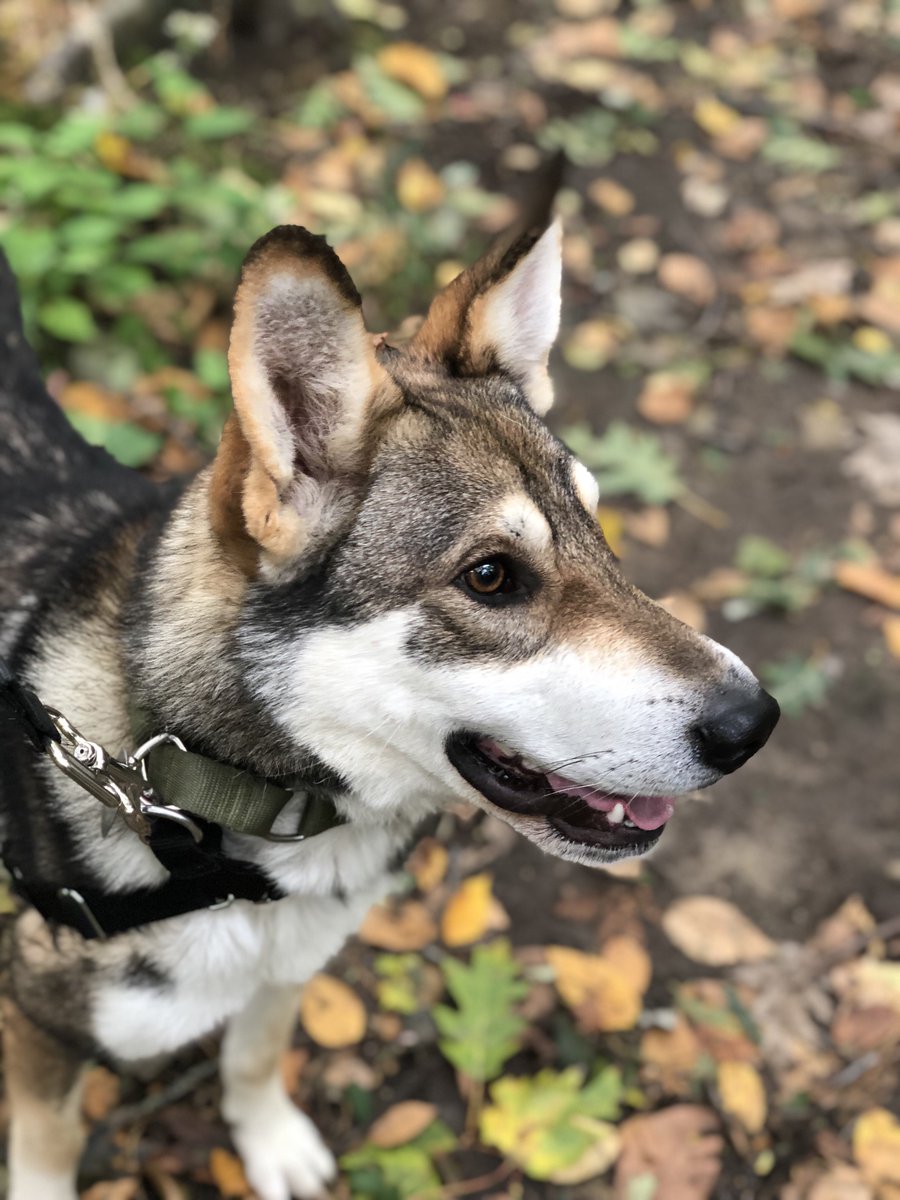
(729, 367)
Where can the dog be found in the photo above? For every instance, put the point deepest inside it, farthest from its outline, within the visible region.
(388, 592)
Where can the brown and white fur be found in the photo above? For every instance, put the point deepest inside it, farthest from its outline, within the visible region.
(309, 605)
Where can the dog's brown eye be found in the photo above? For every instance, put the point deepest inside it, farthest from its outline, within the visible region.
(488, 578)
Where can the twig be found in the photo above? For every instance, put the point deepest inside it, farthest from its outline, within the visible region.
(185, 1083)
(93, 29)
(469, 1186)
(702, 510)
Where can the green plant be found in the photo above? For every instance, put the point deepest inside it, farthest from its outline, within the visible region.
(627, 461)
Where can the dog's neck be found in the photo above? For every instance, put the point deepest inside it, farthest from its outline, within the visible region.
(181, 653)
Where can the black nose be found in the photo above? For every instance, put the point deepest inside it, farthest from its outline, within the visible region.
(734, 726)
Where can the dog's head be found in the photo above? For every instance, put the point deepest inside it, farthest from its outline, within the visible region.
(432, 608)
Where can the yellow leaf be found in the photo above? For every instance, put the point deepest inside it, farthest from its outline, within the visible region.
(600, 994)
(612, 523)
(228, 1174)
(113, 150)
(401, 1123)
(332, 1013)
(630, 958)
(399, 927)
(869, 580)
(428, 864)
(598, 1158)
(876, 1146)
(415, 66)
(714, 117)
(713, 931)
(419, 189)
(872, 340)
(891, 631)
(468, 911)
(743, 1094)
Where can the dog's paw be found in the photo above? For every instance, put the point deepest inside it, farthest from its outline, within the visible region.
(283, 1154)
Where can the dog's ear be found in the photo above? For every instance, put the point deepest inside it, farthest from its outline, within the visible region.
(502, 313)
(303, 376)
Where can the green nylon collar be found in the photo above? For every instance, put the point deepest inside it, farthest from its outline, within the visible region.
(228, 796)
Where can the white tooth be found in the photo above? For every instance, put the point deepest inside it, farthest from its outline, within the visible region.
(630, 825)
(616, 815)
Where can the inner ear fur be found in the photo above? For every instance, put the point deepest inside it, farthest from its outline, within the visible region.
(304, 376)
(502, 313)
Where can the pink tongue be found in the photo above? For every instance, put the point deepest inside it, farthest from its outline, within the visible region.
(647, 812)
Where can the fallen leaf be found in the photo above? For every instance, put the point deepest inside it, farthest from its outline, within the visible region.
(401, 1123)
(612, 197)
(100, 1093)
(630, 958)
(876, 1146)
(398, 926)
(713, 931)
(345, 1069)
(416, 66)
(94, 401)
(667, 398)
(869, 580)
(332, 1013)
(714, 117)
(651, 525)
(112, 1189)
(612, 522)
(688, 276)
(600, 994)
(639, 256)
(771, 328)
(742, 1094)
(467, 914)
(419, 189)
(874, 464)
(685, 608)
(228, 1173)
(428, 864)
(670, 1056)
(293, 1063)
(679, 1149)
(891, 630)
(842, 1182)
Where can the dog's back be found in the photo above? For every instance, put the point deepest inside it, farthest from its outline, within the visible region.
(57, 493)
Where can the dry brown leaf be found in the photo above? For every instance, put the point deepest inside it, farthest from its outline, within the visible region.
(652, 525)
(743, 1094)
(679, 1147)
(91, 400)
(401, 1123)
(419, 189)
(228, 1173)
(744, 139)
(869, 580)
(669, 1056)
(771, 328)
(345, 1069)
(416, 66)
(688, 276)
(639, 256)
(876, 1146)
(667, 398)
(685, 608)
(842, 1182)
(112, 1189)
(467, 914)
(293, 1064)
(100, 1093)
(713, 931)
(612, 197)
(714, 117)
(332, 1013)
(428, 864)
(398, 926)
(721, 584)
(891, 630)
(601, 996)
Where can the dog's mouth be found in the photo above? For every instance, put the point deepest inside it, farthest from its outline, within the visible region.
(589, 816)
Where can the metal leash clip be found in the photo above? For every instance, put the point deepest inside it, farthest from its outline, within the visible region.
(120, 784)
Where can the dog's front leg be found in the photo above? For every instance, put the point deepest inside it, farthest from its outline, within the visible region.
(283, 1154)
(43, 1083)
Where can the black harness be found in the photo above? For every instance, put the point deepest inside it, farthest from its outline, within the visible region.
(181, 835)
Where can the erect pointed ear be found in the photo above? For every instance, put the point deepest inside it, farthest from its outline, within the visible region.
(303, 375)
(502, 313)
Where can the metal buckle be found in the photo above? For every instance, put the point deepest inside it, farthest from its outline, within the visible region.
(120, 785)
(84, 909)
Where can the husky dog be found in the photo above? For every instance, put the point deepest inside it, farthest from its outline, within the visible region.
(389, 588)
